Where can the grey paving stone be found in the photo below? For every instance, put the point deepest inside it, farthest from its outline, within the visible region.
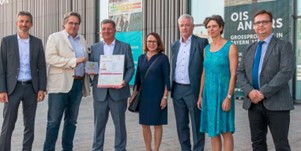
(84, 133)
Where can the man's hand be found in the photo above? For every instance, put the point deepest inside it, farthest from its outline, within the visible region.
(80, 60)
(40, 96)
(255, 96)
(123, 84)
(3, 97)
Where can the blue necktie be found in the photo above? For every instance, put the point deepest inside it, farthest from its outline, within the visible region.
(256, 65)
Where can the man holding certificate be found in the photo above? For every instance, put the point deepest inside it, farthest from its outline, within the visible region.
(110, 85)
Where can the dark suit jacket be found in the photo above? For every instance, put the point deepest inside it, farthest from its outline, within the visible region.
(99, 94)
(195, 62)
(277, 69)
(10, 64)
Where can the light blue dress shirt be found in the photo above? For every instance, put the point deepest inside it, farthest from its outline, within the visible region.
(24, 57)
(263, 52)
(79, 52)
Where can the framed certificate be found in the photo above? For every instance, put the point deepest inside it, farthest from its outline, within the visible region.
(91, 67)
(110, 71)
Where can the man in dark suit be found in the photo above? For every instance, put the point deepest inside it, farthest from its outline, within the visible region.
(187, 67)
(23, 78)
(264, 72)
(111, 99)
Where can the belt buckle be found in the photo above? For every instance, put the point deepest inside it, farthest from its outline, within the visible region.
(24, 82)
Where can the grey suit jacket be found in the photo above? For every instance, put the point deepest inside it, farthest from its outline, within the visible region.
(10, 64)
(277, 69)
(195, 62)
(99, 94)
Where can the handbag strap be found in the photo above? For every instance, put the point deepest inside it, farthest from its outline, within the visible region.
(147, 71)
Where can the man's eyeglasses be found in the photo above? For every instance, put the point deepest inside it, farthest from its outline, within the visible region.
(73, 23)
(264, 22)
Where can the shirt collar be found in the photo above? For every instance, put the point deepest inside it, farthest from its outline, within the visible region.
(77, 37)
(112, 44)
(188, 40)
(25, 40)
(268, 39)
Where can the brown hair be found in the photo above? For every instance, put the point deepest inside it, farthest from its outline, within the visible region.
(159, 42)
(24, 13)
(108, 21)
(219, 20)
(67, 15)
(264, 12)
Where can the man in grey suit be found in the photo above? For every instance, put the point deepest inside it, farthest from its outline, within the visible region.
(111, 99)
(264, 72)
(187, 67)
(23, 78)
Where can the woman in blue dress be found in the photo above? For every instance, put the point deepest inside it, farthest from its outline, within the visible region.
(154, 92)
(217, 86)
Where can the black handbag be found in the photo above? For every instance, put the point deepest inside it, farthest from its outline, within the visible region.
(135, 97)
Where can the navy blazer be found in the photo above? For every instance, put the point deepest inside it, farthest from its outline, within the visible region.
(195, 62)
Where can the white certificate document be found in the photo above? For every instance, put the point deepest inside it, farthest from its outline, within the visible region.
(110, 71)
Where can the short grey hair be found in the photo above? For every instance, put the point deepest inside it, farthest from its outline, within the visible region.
(108, 21)
(185, 16)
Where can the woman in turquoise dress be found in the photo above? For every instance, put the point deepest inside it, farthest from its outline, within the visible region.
(217, 87)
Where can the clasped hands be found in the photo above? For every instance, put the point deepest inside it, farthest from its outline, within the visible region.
(255, 96)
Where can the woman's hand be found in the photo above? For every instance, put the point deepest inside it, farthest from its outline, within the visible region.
(199, 103)
(163, 103)
(226, 106)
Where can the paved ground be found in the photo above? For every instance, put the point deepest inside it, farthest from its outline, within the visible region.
(84, 133)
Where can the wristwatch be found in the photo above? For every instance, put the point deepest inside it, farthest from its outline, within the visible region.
(165, 97)
(229, 96)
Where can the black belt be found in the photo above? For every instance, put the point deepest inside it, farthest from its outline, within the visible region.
(182, 84)
(24, 82)
(79, 77)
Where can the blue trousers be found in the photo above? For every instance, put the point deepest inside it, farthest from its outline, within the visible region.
(59, 104)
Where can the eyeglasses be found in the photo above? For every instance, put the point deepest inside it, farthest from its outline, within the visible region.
(73, 23)
(264, 22)
(151, 41)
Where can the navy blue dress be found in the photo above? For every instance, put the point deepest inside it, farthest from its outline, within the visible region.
(152, 91)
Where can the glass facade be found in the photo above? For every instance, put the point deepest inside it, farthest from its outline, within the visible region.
(201, 10)
(285, 26)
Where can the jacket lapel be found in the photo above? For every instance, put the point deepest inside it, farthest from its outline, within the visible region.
(31, 49)
(16, 49)
(175, 54)
(269, 51)
(116, 48)
(192, 48)
(65, 37)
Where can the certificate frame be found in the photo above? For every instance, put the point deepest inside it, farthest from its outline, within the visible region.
(111, 68)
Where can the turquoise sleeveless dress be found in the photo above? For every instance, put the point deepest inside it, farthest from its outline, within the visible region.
(214, 120)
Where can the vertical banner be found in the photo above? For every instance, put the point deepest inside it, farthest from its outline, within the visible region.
(128, 17)
(239, 22)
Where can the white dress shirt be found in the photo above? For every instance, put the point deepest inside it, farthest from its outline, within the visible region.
(108, 49)
(182, 63)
